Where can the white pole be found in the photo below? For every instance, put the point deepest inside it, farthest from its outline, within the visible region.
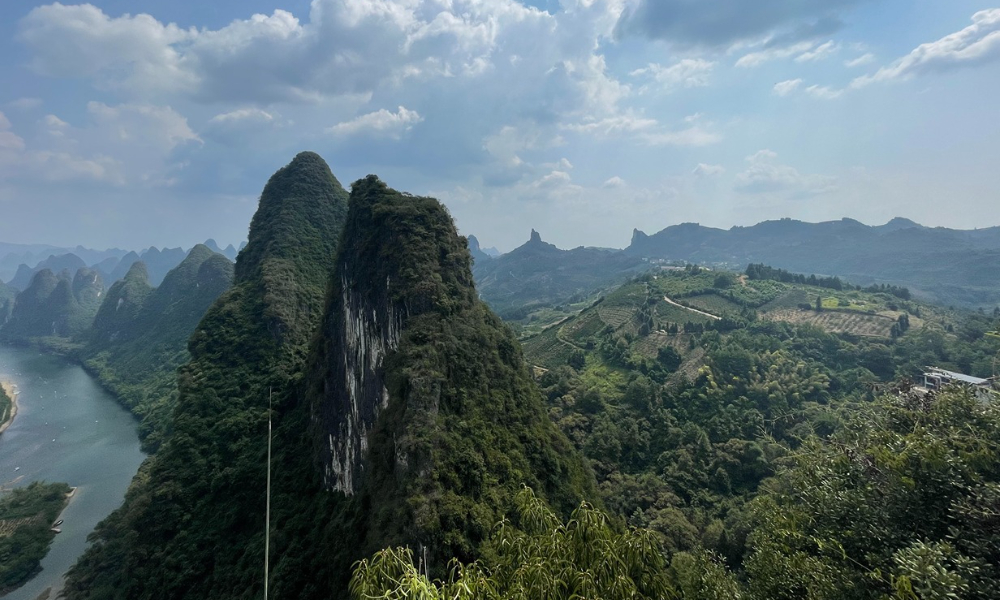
(267, 513)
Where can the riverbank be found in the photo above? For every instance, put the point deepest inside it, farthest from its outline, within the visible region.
(26, 529)
(10, 390)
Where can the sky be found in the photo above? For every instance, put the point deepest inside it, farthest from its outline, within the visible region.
(130, 123)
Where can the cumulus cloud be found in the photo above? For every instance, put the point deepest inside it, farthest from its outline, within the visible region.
(119, 144)
(765, 175)
(614, 182)
(723, 22)
(783, 88)
(346, 46)
(705, 170)
(381, 122)
(686, 73)
(976, 44)
(554, 179)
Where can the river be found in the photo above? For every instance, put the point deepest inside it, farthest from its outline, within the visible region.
(67, 429)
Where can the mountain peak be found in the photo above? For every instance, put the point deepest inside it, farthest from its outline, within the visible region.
(535, 237)
(301, 202)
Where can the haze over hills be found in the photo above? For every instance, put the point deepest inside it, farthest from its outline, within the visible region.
(538, 273)
(140, 334)
(947, 266)
(111, 264)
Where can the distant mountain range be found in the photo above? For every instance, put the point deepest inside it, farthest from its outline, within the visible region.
(112, 264)
(945, 266)
(538, 273)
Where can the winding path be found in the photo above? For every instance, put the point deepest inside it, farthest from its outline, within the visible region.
(694, 310)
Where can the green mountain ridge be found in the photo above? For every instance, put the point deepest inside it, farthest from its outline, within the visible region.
(449, 424)
(427, 415)
(204, 484)
(140, 334)
(54, 305)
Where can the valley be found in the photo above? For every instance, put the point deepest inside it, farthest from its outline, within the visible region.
(413, 427)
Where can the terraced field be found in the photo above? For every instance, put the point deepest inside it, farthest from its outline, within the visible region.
(712, 303)
(547, 350)
(854, 323)
(675, 314)
(649, 345)
(583, 329)
(616, 316)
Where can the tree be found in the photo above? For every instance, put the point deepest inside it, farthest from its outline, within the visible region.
(819, 303)
(541, 558)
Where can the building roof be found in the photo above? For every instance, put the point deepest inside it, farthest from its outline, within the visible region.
(958, 376)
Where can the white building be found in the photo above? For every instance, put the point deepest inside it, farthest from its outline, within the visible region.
(935, 379)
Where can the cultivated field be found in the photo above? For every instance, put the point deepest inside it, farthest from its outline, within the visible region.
(854, 323)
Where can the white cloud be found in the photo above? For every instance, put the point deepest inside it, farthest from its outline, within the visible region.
(819, 52)
(381, 122)
(765, 175)
(134, 52)
(645, 130)
(705, 170)
(977, 43)
(759, 57)
(554, 179)
(686, 73)
(120, 144)
(783, 88)
(860, 61)
(824, 92)
(346, 46)
(243, 115)
(614, 182)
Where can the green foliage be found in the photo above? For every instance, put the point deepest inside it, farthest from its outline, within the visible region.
(683, 430)
(464, 426)
(900, 503)
(6, 406)
(536, 557)
(192, 522)
(26, 517)
(53, 305)
(140, 335)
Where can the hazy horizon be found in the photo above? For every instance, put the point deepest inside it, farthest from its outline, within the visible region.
(130, 124)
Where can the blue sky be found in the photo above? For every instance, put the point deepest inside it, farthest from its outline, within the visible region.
(131, 122)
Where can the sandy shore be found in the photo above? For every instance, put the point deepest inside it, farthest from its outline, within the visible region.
(9, 388)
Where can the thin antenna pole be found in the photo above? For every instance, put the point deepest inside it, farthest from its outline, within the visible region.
(267, 512)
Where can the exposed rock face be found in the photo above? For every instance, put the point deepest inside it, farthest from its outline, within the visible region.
(369, 329)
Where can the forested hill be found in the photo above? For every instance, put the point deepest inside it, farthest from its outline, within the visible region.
(140, 334)
(192, 524)
(946, 266)
(410, 418)
(59, 305)
(538, 273)
(429, 419)
(688, 389)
